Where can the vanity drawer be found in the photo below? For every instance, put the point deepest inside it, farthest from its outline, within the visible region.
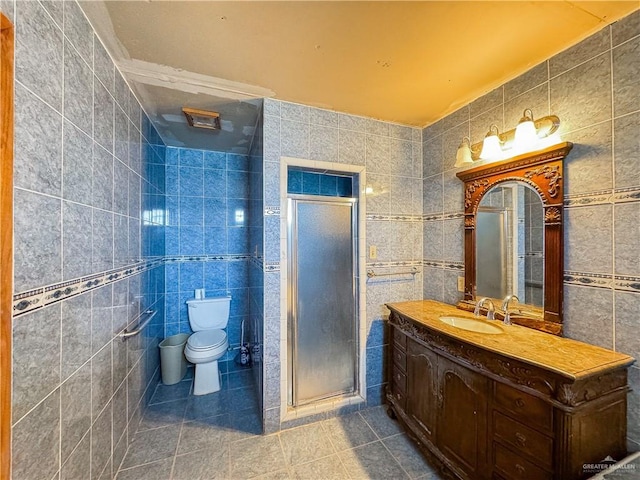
(400, 338)
(512, 466)
(399, 380)
(400, 359)
(528, 409)
(523, 439)
(399, 387)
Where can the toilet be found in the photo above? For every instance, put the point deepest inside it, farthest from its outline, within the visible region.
(207, 317)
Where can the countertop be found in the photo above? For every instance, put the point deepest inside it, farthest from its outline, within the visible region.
(569, 358)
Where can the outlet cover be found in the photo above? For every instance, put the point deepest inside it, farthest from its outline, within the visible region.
(461, 284)
(373, 251)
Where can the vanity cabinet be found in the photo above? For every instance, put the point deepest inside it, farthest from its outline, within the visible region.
(477, 414)
(422, 371)
(444, 400)
(462, 416)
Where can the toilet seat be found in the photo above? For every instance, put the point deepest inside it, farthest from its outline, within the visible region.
(206, 340)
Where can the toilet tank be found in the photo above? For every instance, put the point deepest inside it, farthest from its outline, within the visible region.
(208, 313)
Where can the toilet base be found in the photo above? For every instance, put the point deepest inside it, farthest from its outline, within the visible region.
(207, 378)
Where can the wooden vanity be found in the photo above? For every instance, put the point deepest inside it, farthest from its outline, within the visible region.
(521, 404)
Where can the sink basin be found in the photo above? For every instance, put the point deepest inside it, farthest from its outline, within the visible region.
(472, 325)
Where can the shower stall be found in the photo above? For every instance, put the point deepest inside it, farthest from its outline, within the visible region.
(322, 298)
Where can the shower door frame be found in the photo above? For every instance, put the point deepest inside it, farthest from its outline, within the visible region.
(358, 173)
(292, 297)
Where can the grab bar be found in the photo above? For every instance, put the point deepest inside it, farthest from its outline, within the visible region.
(371, 273)
(131, 333)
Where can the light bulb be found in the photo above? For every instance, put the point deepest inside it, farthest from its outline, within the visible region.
(526, 137)
(463, 155)
(491, 149)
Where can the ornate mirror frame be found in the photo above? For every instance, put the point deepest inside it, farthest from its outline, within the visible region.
(543, 171)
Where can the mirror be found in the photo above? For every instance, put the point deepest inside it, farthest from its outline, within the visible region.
(510, 244)
(513, 239)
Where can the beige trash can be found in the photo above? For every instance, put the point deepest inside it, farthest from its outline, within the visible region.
(173, 364)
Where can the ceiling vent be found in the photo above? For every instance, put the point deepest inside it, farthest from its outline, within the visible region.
(202, 118)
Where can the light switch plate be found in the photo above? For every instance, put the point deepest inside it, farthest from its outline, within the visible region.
(373, 251)
(461, 284)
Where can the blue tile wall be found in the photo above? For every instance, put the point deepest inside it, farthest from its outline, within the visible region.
(207, 204)
(89, 198)
(255, 325)
(310, 183)
(207, 208)
(392, 155)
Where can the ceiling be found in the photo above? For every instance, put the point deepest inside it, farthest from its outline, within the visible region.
(406, 62)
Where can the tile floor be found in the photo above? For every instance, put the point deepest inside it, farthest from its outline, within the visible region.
(218, 436)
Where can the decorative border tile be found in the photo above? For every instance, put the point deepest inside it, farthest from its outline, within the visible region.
(458, 266)
(442, 216)
(621, 195)
(616, 282)
(205, 258)
(627, 284)
(592, 198)
(624, 195)
(270, 211)
(408, 263)
(24, 302)
(589, 279)
(379, 217)
(28, 301)
(272, 267)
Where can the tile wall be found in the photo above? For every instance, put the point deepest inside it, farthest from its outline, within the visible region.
(207, 235)
(256, 266)
(88, 186)
(393, 159)
(593, 87)
(311, 183)
(82, 215)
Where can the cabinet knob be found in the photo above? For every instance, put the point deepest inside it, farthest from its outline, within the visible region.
(519, 403)
(521, 470)
(521, 439)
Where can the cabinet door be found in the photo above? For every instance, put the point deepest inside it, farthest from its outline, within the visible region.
(462, 422)
(421, 387)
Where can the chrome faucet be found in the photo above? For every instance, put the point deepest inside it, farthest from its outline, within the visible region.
(505, 308)
(491, 312)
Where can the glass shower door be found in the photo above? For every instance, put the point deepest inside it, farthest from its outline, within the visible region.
(322, 298)
(491, 258)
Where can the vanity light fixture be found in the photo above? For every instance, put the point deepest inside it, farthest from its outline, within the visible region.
(463, 155)
(529, 135)
(491, 149)
(526, 136)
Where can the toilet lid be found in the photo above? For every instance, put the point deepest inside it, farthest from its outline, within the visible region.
(206, 339)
